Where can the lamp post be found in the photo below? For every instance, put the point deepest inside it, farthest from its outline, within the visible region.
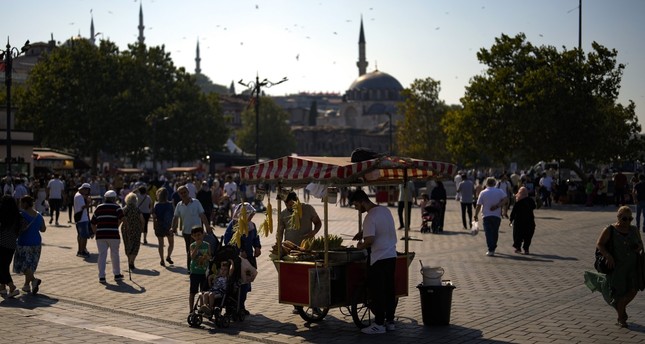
(154, 141)
(255, 87)
(7, 57)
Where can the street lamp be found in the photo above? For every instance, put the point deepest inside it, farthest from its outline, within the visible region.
(255, 88)
(154, 140)
(7, 57)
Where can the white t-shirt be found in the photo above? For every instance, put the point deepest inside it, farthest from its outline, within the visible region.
(56, 188)
(79, 202)
(379, 223)
(490, 197)
(231, 190)
(192, 190)
(189, 214)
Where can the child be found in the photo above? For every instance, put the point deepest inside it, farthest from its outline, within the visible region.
(199, 258)
(217, 285)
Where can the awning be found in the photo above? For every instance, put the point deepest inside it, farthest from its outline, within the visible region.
(298, 170)
(129, 170)
(182, 169)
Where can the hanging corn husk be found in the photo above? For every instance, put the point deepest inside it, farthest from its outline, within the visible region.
(296, 215)
(267, 226)
(237, 238)
(243, 222)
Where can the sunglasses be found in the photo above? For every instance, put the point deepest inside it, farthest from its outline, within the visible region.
(626, 218)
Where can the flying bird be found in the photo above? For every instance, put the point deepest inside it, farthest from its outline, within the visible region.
(298, 57)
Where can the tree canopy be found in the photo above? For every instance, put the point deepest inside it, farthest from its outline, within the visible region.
(90, 99)
(419, 134)
(537, 103)
(276, 139)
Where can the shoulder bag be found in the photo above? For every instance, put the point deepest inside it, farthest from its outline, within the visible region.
(601, 262)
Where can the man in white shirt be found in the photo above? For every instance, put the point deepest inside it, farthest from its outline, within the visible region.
(546, 183)
(379, 237)
(491, 200)
(55, 189)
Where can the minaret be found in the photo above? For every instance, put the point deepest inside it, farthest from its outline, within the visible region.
(141, 27)
(198, 70)
(92, 29)
(362, 63)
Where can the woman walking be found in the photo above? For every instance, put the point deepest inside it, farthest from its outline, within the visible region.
(131, 229)
(145, 207)
(620, 243)
(523, 220)
(11, 225)
(29, 246)
(162, 222)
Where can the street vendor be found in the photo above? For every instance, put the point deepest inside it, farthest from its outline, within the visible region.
(300, 221)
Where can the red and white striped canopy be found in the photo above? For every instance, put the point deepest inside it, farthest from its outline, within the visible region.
(301, 170)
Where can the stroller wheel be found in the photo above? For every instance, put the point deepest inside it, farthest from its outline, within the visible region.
(194, 320)
(225, 321)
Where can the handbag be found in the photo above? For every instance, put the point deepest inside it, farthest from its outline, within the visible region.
(78, 216)
(601, 262)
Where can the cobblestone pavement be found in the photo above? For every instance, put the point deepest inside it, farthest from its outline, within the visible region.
(508, 298)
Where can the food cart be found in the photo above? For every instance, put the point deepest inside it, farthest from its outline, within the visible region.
(336, 278)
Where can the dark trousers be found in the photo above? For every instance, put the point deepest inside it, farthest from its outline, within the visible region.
(54, 207)
(400, 212)
(6, 255)
(467, 208)
(188, 239)
(522, 237)
(381, 284)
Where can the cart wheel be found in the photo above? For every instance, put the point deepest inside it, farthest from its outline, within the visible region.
(226, 321)
(312, 314)
(241, 315)
(359, 308)
(194, 320)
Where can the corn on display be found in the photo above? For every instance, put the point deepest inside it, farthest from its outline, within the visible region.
(267, 226)
(296, 215)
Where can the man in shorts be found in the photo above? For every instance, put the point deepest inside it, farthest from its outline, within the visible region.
(82, 202)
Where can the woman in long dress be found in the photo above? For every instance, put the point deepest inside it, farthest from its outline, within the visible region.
(131, 229)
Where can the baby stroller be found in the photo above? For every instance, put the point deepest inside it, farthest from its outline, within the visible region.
(227, 308)
(222, 211)
(429, 217)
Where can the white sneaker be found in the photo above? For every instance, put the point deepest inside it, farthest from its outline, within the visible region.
(389, 325)
(490, 253)
(374, 329)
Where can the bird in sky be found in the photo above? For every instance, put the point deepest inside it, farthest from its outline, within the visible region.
(298, 57)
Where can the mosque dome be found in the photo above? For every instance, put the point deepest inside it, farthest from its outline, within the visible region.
(376, 80)
(375, 86)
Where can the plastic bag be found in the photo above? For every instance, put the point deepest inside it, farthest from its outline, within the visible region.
(474, 228)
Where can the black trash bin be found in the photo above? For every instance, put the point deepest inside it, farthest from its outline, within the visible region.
(436, 301)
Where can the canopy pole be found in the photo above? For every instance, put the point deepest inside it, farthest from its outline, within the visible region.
(406, 208)
(279, 241)
(325, 237)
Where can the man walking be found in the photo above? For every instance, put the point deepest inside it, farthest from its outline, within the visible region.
(639, 198)
(490, 202)
(466, 193)
(55, 188)
(379, 238)
(191, 213)
(106, 220)
(82, 202)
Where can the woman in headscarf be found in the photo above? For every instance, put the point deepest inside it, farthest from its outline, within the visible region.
(248, 242)
(522, 220)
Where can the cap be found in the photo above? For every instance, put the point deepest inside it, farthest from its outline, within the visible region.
(85, 186)
(110, 194)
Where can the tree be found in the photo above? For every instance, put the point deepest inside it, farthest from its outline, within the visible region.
(419, 134)
(276, 139)
(313, 113)
(90, 99)
(536, 103)
(68, 98)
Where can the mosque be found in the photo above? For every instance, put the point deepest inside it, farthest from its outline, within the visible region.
(364, 116)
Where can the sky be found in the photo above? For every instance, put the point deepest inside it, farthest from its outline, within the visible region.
(314, 43)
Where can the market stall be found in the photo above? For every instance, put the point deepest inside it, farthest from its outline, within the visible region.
(315, 280)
